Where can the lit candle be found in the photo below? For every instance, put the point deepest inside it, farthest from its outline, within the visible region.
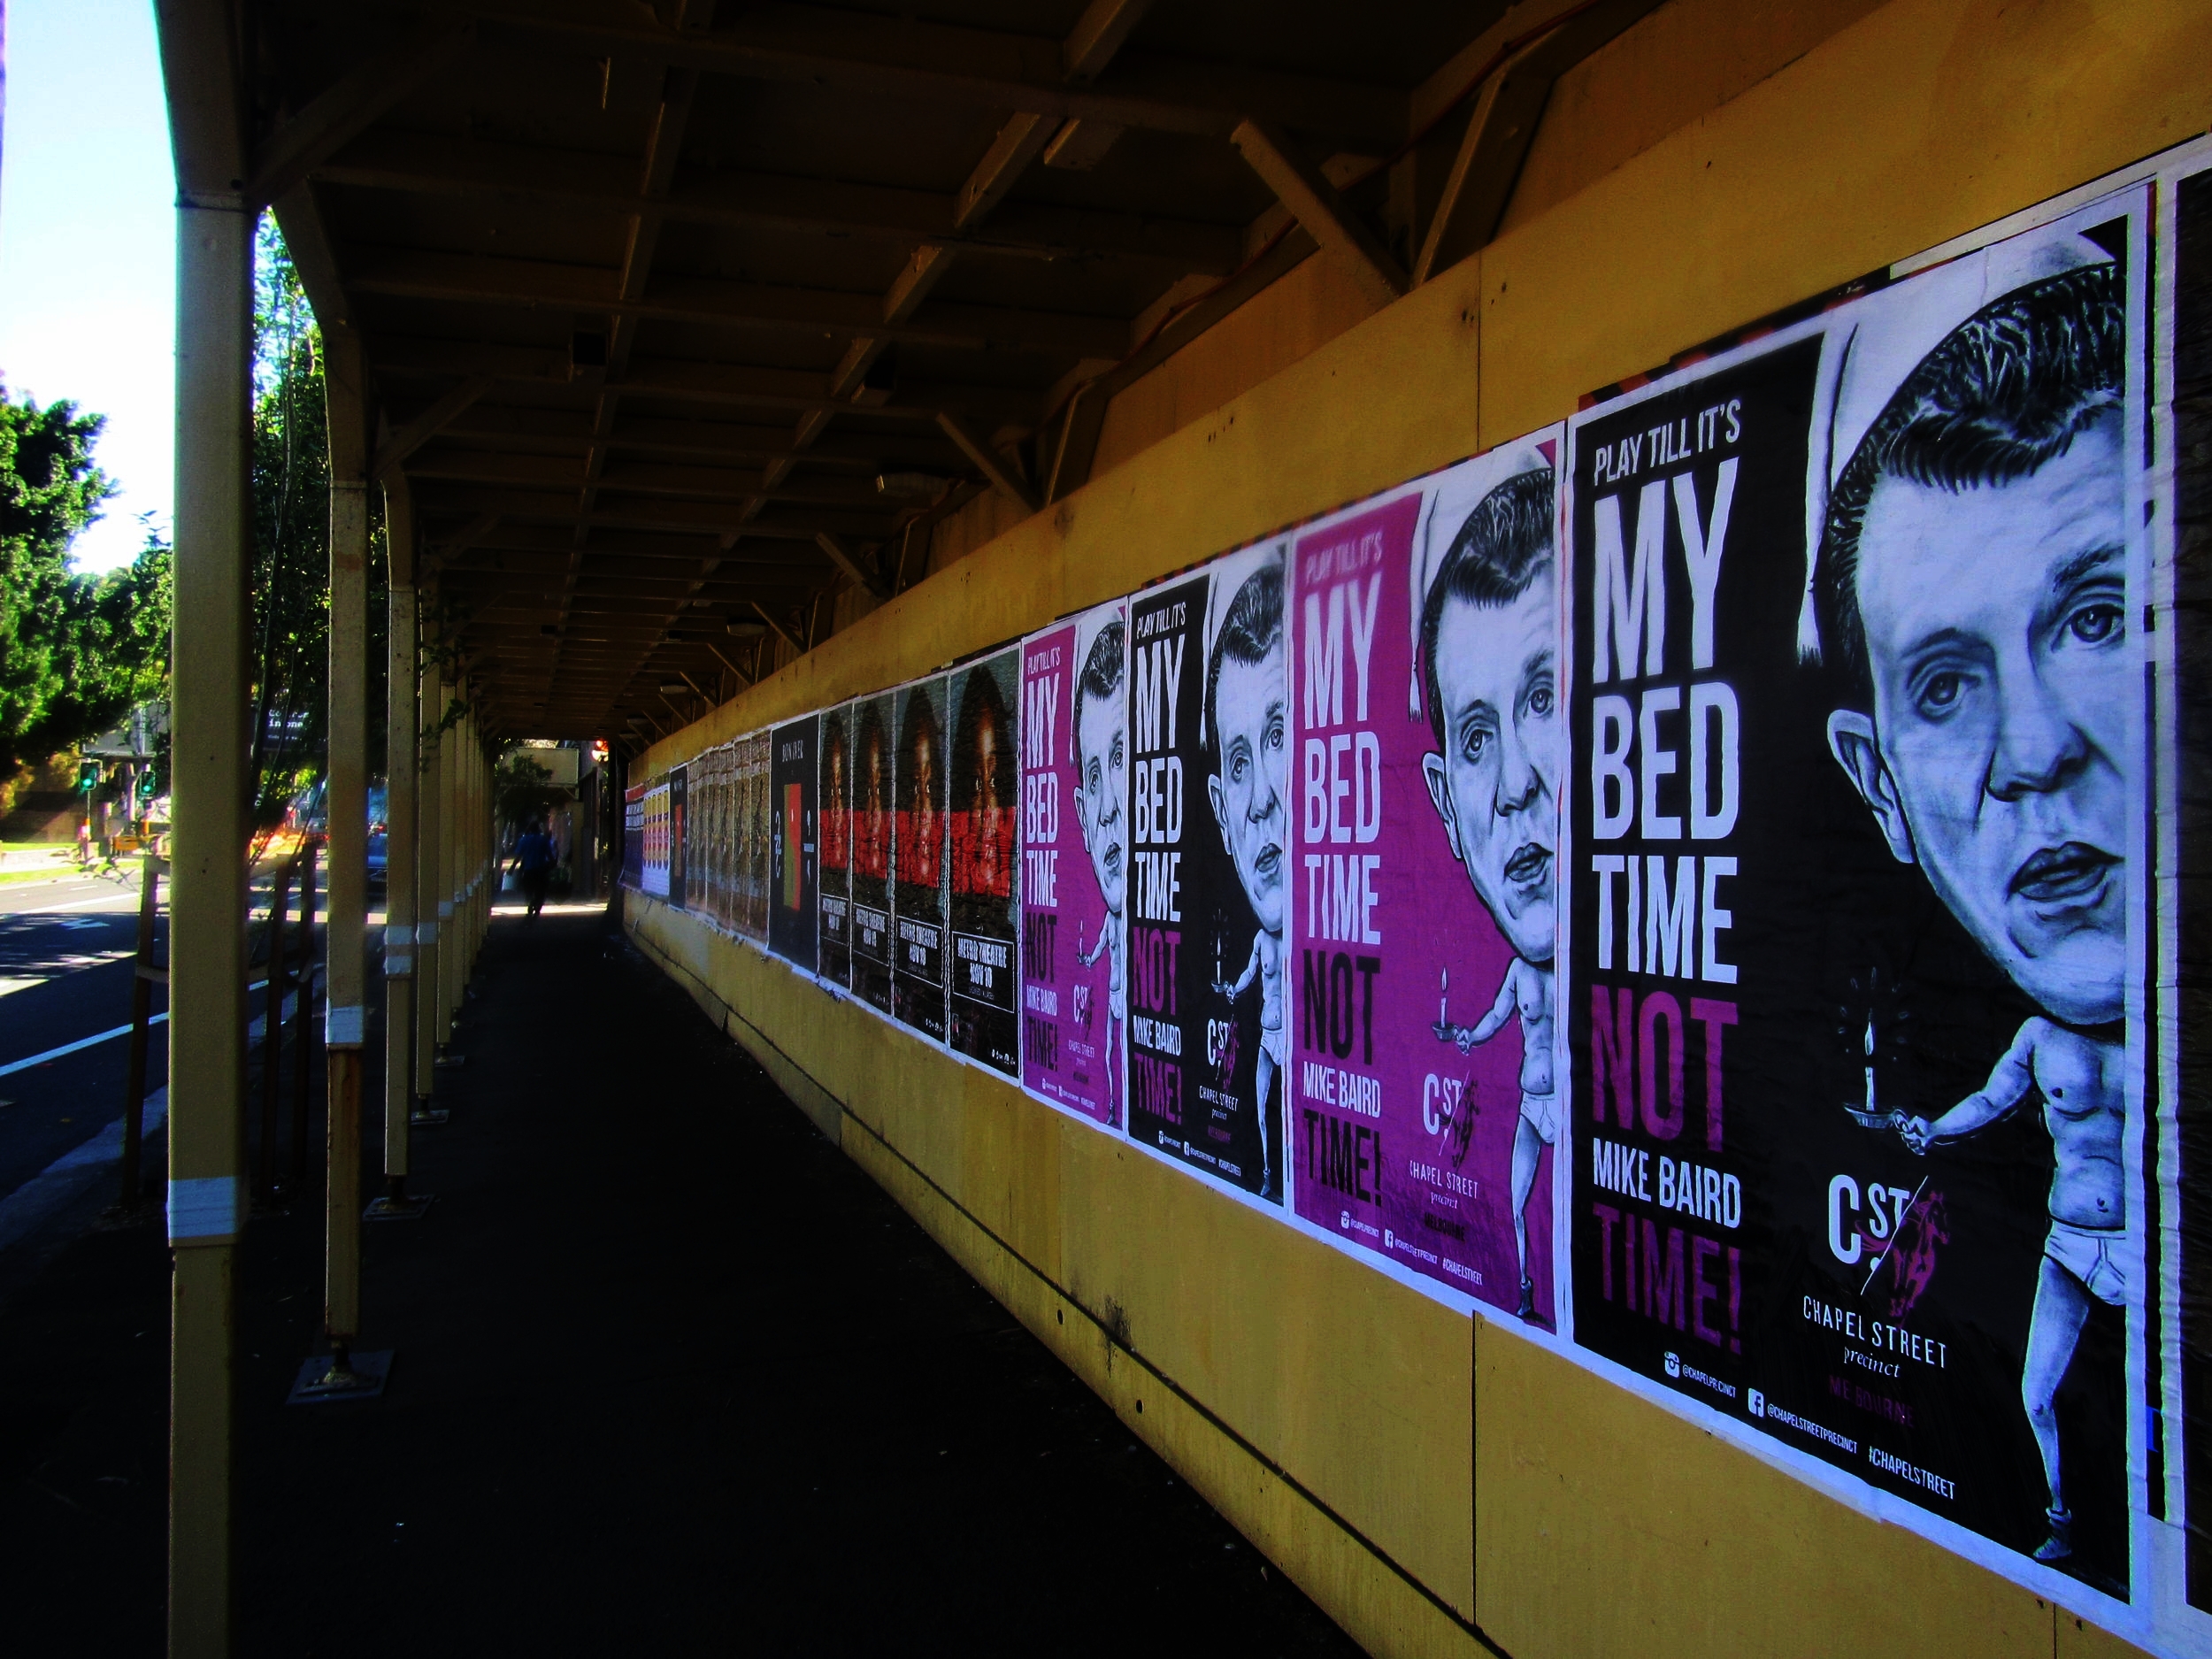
(1870, 1066)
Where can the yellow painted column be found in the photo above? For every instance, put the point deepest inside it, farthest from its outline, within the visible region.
(450, 960)
(471, 888)
(346, 1011)
(207, 907)
(429, 945)
(403, 720)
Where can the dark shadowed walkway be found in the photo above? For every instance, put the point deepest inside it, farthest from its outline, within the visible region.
(672, 1376)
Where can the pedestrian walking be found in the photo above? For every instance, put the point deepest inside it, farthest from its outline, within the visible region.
(533, 860)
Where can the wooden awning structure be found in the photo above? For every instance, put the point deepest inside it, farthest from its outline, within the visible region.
(682, 314)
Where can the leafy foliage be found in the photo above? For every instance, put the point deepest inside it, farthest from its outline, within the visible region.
(77, 650)
(291, 572)
(524, 790)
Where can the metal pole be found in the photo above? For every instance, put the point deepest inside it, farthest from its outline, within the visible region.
(451, 960)
(304, 1027)
(479, 917)
(344, 1004)
(273, 1033)
(142, 1029)
(207, 904)
(402, 723)
(428, 946)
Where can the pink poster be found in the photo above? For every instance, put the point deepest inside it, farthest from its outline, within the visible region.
(1075, 857)
(1424, 839)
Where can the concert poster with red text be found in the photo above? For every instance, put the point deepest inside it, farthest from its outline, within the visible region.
(875, 816)
(921, 887)
(985, 967)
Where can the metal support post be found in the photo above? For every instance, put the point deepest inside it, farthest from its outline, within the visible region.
(450, 960)
(207, 904)
(304, 1027)
(273, 1034)
(144, 975)
(429, 947)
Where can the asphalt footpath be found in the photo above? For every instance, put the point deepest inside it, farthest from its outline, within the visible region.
(669, 1375)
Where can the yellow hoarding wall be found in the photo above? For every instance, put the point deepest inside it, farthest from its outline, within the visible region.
(1436, 1483)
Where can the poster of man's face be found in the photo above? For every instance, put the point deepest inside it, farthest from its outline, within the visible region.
(1858, 713)
(1102, 749)
(1490, 646)
(1974, 586)
(1249, 721)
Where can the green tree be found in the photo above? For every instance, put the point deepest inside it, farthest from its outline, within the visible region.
(291, 575)
(524, 790)
(77, 650)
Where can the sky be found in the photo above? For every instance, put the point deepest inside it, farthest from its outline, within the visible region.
(87, 239)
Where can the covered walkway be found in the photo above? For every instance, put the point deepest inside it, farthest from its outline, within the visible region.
(672, 1375)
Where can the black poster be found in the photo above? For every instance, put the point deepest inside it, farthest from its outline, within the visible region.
(986, 947)
(677, 803)
(874, 816)
(1208, 896)
(920, 889)
(792, 877)
(1854, 813)
(833, 936)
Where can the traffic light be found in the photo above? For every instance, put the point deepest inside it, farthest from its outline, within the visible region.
(88, 776)
(147, 788)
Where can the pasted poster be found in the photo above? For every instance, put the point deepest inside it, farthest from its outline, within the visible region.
(1427, 749)
(1075, 861)
(702, 879)
(791, 873)
(1858, 817)
(833, 935)
(656, 838)
(1209, 900)
(875, 813)
(707, 877)
(679, 805)
(751, 836)
(920, 887)
(633, 835)
(985, 968)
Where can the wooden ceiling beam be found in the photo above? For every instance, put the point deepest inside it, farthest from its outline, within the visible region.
(355, 102)
(683, 381)
(1320, 211)
(568, 432)
(1503, 125)
(988, 462)
(904, 56)
(1098, 35)
(511, 504)
(426, 426)
(483, 280)
(460, 464)
(433, 165)
(848, 561)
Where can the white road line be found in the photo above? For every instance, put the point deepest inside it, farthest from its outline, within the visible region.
(89, 1042)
